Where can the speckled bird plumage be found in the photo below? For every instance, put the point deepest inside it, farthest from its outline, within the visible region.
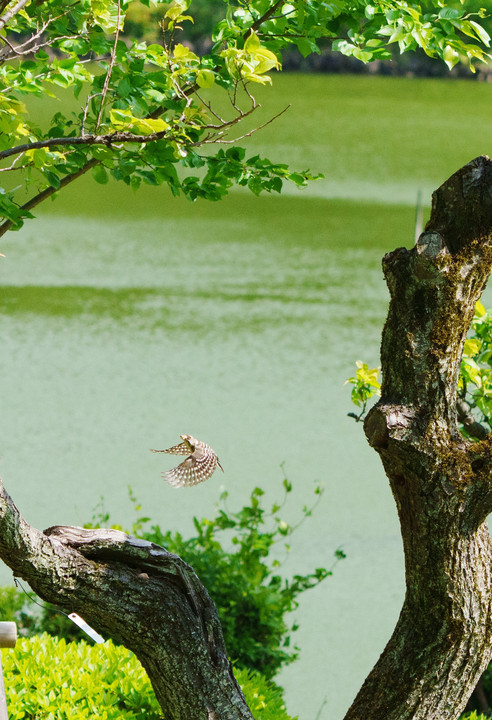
(200, 464)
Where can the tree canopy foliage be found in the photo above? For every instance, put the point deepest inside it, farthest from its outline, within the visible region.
(145, 112)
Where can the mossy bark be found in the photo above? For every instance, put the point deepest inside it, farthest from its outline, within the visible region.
(440, 481)
(140, 595)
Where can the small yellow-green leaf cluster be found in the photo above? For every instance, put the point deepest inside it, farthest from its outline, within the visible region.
(366, 384)
(11, 121)
(123, 121)
(176, 13)
(476, 365)
(107, 15)
(251, 62)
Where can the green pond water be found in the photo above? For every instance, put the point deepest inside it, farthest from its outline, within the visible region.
(128, 319)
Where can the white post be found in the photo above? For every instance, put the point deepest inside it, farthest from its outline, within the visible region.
(8, 638)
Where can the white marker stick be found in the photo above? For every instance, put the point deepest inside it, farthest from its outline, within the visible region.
(86, 628)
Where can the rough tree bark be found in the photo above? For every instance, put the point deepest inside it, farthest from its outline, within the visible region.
(442, 484)
(138, 594)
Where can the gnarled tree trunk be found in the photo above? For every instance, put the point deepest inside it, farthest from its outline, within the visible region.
(442, 484)
(140, 595)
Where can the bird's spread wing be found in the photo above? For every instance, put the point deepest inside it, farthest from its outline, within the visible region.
(195, 469)
(183, 448)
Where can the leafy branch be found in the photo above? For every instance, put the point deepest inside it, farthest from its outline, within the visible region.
(366, 385)
(255, 26)
(145, 111)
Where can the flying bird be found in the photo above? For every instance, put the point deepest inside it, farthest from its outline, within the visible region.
(200, 464)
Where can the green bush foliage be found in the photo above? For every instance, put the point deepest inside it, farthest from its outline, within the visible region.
(236, 556)
(47, 678)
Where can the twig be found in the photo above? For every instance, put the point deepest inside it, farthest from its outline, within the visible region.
(217, 138)
(86, 110)
(266, 16)
(16, 51)
(318, 714)
(208, 105)
(110, 68)
(13, 11)
(11, 167)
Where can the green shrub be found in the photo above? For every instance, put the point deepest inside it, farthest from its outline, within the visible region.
(47, 678)
(234, 556)
(473, 716)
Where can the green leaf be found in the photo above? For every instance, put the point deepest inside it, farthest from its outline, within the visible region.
(52, 178)
(100, 174)
(252, 43)
(450, 56)
(481, 32)
(205, 78)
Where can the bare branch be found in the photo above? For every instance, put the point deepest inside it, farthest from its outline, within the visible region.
(217, 138)
(86, 110)
(209, 107)
(12, 165)
(26, 48)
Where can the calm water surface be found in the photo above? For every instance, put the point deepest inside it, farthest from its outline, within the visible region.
(129, 319)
